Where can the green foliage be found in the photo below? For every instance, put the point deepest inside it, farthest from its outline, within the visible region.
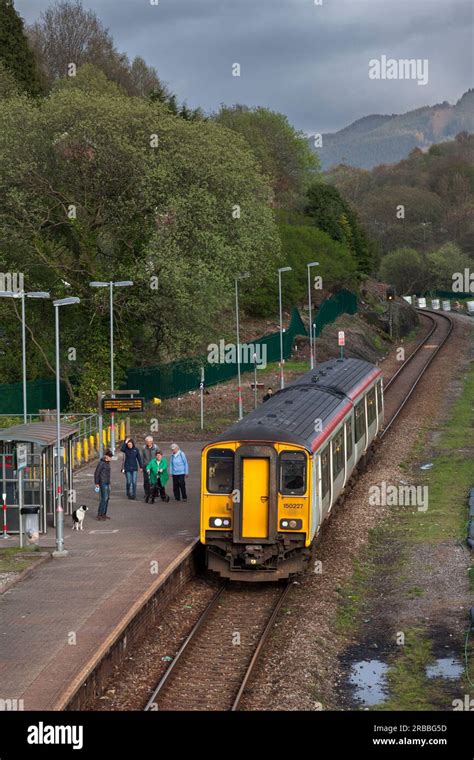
(422, 202)
(15, 54)
(282, 152)
(413, 271)
(327, 209)
(301, 245)
(96, 185)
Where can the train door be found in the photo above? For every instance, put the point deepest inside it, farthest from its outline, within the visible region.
(255, 497)
(256, 478)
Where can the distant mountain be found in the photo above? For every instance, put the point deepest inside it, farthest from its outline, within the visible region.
(387, 139)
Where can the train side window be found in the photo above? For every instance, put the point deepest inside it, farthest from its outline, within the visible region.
(220, 471)
(324, 472)
(292, 472)
(359, 413)
(371, 408)
(338, 454)
(349, 438)
(379, 396)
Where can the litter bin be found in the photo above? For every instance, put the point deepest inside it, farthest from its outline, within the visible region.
(30, 517)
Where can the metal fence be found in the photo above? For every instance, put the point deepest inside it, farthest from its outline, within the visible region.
(174, 378)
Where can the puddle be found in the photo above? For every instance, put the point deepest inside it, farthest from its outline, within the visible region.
(445, 667)
(369, 677)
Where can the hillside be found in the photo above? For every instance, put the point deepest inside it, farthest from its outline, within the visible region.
(386, 139)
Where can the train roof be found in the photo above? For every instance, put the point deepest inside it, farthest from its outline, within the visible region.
(325, 393)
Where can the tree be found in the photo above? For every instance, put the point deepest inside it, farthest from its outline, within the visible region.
(98, 185)
(68, 34)
(327, 209)
(283, 153)
(406, 269)
(15, 54)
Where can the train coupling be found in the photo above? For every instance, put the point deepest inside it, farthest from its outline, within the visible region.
(253, 555)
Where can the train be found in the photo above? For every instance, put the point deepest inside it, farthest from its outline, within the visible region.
(270, 481)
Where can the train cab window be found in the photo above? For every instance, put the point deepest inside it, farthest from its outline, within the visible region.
(324, 472)
(292, 472)
(379, 396)
(359, 413)
(371, 408)
(349, 438)
(220, 471)
(338, 454)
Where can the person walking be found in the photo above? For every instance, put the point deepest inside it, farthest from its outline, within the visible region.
(102, 482)
(148, 455)
(179, 470)
(158, 473)
(132, 462)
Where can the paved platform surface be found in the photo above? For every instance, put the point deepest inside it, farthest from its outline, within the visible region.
(82, 597)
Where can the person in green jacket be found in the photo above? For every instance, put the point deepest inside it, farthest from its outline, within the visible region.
(158, 469)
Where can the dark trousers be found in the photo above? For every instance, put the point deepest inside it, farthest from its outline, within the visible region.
(157, 490)
(104, 499)
(179, 487)
(146, 483)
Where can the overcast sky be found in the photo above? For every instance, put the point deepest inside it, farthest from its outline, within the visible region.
(306, 60)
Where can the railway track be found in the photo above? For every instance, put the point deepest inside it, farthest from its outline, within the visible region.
(403, 383)
(214, 665)
(212, 669)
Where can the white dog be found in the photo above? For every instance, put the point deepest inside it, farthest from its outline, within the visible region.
(78, 517)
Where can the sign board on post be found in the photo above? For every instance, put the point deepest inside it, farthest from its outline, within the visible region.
(21, 456)
(341, 339)
(446, 305)
(408, 299)
(122, 405)
(435, 303)
(422, 303)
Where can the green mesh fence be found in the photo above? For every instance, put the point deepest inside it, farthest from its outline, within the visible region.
(41, 394)
(167, 380)
(342, 302)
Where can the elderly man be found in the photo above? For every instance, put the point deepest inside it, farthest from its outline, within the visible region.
(148, 455)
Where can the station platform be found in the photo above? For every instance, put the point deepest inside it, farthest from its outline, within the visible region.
(55, 619)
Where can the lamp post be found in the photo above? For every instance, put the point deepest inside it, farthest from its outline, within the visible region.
(313, 264)
(60, 551)
(111, 285)
(239, 390)
(22, 295)
(282, 376)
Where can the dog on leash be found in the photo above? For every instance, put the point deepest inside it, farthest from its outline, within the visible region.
(78, 517)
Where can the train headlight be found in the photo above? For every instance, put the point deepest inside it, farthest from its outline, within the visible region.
(219, 522)
(290, 524)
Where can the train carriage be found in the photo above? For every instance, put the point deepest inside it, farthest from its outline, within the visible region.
(270, 480)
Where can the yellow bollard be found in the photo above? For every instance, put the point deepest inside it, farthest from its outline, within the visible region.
(79, 452)
(86, 449)
(73, 458)
(122, 430)
(91, 443)
(104, 437)
(97, 442)
(109, 434)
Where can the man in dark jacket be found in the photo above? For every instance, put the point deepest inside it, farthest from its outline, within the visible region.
(148, 455)
(102, 481)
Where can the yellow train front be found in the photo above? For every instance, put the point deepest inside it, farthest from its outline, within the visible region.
(270, 481)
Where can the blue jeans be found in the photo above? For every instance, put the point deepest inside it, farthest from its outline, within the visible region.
(104, 498)
(131, 478)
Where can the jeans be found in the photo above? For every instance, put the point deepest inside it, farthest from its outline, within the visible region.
(104, 499)
(131, 478)
(179, 487)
